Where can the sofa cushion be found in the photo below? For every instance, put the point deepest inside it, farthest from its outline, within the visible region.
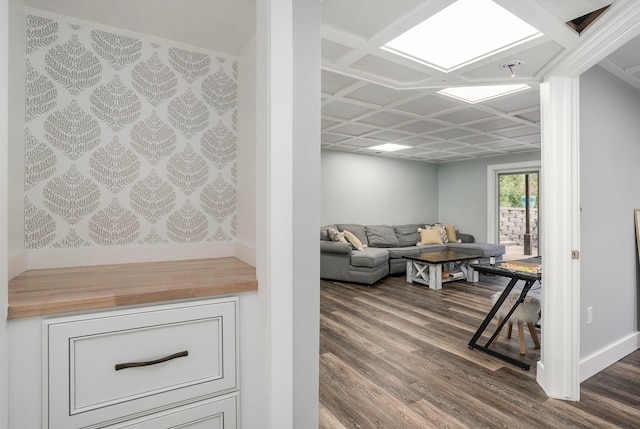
(487, 249)
(407, 235)
(381, 236)
(355, 229)
(399, 252)
(369, 257)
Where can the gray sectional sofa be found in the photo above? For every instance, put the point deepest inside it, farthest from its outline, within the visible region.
(384, 248)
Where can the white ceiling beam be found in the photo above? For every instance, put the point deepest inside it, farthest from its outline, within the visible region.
(531, 12)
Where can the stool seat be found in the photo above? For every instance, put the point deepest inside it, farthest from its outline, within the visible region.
(527, 312)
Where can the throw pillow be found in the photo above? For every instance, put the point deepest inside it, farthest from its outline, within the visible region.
(452, 236)
(429, 236)
(442, 230)
(336, 235)
(351, 238)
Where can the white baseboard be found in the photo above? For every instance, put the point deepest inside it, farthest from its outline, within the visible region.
(77, 257)
(246, 252)
(591, 365)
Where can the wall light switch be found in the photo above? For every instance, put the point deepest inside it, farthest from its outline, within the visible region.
(589, 315)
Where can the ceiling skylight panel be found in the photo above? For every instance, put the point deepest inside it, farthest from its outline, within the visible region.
(477, 94)
(464, 32)
(389, 147)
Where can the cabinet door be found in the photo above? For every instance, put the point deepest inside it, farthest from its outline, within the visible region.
(211, 414)
(113, 366)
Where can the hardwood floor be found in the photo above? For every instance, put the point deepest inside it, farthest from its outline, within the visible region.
(395, 356)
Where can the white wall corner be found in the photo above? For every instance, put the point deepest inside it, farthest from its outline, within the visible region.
(246, 252)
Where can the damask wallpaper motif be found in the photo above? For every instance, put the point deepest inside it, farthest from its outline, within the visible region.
(128, 142)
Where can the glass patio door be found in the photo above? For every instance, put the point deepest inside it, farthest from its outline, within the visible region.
(518, 213)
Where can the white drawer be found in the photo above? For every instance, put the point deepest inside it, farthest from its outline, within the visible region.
(85, 387)
(210, 414)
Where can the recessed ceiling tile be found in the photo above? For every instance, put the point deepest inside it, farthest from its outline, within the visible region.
(338, 109)
(414, 151)
(331, 51)
(385, 119)
(533, 139)
(326, 123)
(533, 116)
(517, 101)
(394, 71)
(361, 18)
(453, 133)
(463, 116)
(332, 138)
(332, 83)
(420, 127)
(426, 105)
(379, 95)
(353, 130)
(419, 140)
(502, 145)
(388, 136)
(519, 132)
(478, 138)
(468, 150)
(494, 125)
(445, 145)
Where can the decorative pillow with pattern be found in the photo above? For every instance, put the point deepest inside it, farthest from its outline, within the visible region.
(442, 231)
(429, 236)
(336, 235)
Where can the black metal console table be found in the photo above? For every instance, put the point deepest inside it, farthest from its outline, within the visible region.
(527, 270)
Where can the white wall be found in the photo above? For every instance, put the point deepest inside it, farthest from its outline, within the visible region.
(4, 143)
(369, 189)
(17, 40)
(245, 241)
(609, 154)
(306, 212)
(462, 192)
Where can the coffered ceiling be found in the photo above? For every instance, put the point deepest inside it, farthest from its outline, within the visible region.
(371, 96)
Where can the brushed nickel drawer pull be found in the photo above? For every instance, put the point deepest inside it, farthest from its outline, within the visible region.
(120, 366)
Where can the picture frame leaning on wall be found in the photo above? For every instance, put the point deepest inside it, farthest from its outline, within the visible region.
(636, 217)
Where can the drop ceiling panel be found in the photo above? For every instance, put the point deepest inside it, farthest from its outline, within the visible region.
(463, 116)
(478, 138)
(452, 133)
(334, 82)
(515, 102)
(378, 94)
(519, 132)
(497, 124)
(388, 136)
(426, 105)
(396, 72)
(332, 138)
(342, 110)
(385, 119)
(353, 130)
(421, 127)
(333, 51)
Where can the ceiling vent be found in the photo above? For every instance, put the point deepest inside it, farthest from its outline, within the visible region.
(581, 23)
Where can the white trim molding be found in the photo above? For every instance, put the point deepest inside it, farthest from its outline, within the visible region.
(558, 368)
(593, 364)
(492, 192)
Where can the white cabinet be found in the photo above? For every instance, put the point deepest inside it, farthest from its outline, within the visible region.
(152, 367)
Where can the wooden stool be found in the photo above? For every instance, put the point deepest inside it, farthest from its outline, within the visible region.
(527, 312)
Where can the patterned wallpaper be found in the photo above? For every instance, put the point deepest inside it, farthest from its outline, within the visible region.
(128, 142)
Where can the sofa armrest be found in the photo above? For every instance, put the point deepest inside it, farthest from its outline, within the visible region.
(466, 238)
(334, 247)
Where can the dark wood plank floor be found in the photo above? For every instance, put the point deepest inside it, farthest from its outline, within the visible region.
(395, 356)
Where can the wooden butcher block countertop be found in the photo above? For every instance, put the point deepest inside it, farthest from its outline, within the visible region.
(60, 290)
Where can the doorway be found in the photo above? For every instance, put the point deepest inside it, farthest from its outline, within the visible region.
(518, 202)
